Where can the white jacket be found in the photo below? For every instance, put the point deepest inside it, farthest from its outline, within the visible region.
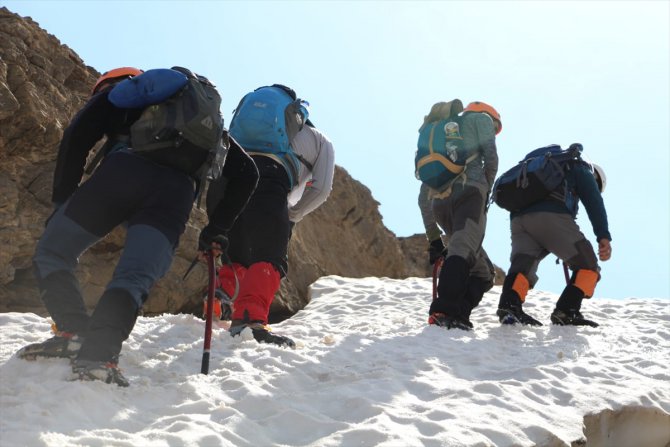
(313, 187)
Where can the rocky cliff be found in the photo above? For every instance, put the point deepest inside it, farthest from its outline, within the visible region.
(42, 84)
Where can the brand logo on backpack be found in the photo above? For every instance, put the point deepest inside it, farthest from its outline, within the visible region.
(267, 120)
(208, 122)
(440, 155)
(539, 176)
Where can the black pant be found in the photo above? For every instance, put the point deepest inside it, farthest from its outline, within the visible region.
(261, 232)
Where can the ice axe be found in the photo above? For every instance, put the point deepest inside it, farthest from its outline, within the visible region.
(204, 369)
(565, 271)
(436, 273)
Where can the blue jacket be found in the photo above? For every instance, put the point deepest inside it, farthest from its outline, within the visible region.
(582, 183)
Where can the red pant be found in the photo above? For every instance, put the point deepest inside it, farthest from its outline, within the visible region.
(257, 287)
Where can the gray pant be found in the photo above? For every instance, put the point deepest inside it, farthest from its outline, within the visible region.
(462, 216)
(535, 235)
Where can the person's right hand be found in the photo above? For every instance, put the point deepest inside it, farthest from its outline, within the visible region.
(209, 240)
(604, 249)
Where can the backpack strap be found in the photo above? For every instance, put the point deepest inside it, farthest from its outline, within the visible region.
(471, 158)
(307, 164)
(463, 174)
(563, 193)
(290, 166)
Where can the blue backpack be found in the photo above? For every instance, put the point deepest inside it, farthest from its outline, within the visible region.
(151, 87)
(540, 175)
(440, 155)
(267, 120)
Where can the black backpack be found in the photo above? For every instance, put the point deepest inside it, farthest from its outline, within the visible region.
(541, 174)
(181, 125)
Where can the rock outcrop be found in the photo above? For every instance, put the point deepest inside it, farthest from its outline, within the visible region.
(42, 84)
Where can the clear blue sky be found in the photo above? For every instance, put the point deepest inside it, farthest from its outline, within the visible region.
(595, 72)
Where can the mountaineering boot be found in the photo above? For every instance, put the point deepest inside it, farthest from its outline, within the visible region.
(63, 300)
(571, 298)
(262, 333)
(510, 306)
(447, 322)
(571, 317)
(514, 315)
(568, 306)
(62, 345)
(451, 298)
(107, 372)
(111, 323)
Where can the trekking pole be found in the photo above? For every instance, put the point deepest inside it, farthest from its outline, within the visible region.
(204, 369)
(436, 273)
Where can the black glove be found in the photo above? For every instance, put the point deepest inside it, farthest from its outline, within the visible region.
(435, 251)
(210, 235)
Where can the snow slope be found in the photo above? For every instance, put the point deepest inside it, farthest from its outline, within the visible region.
(368, 371)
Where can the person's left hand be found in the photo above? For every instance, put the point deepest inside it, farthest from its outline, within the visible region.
(604, 249)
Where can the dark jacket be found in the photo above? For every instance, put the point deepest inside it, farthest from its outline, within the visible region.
(100, 118)
(97, 119)
(582, 183)
(227, 197)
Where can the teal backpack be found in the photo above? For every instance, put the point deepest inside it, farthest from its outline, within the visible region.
(440, 155)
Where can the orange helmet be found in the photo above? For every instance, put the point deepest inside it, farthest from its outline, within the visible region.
(115, 75)
(482, 107)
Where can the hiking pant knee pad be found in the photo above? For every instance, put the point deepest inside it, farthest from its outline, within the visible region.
(586, 281)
